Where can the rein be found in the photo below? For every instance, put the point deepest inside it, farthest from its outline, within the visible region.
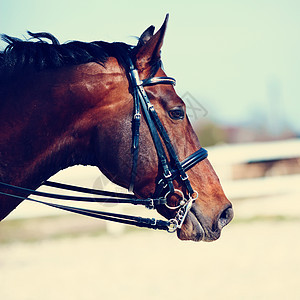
(164, 186)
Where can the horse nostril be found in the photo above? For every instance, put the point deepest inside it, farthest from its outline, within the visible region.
(225, 217)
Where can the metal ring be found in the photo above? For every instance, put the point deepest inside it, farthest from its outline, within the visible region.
(174, 207)
(191, 197)
(173, 225)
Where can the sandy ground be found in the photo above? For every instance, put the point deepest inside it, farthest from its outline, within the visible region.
(257, 257)
(252, 260)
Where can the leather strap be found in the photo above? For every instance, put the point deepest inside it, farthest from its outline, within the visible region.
(120, 218)
(159, 80)
(136, 122)
(113, 199)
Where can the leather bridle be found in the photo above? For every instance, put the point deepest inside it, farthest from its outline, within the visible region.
(164, 186)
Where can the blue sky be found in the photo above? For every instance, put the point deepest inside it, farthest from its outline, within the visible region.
(239, 59)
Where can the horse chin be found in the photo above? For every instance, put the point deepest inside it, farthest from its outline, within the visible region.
(193, 230)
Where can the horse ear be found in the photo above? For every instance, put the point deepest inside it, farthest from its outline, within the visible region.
(149, 46)
(146, 36)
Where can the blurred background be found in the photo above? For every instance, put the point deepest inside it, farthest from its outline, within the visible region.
(237, 69)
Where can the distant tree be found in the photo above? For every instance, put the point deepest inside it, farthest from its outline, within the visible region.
(210, 134)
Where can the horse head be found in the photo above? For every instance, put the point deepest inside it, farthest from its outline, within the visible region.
(211, 211)
(75, 106)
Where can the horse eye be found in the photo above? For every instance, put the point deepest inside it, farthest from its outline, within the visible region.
(176, 114)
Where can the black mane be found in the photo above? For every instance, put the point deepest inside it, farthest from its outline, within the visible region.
(37, 53)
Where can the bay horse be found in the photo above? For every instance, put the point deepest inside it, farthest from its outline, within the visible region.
(71, 104)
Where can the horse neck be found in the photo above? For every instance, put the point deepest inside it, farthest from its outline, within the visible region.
(46, 123)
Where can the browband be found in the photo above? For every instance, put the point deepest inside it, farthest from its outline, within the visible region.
(159, 80)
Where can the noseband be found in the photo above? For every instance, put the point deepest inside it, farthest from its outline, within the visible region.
(164, 186)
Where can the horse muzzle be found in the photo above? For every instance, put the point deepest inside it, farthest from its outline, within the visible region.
(198, 227)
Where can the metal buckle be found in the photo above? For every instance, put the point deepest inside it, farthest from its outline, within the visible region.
(184, 178)
(137, 116)
(168, 175)
(153, 220)
(151, 204)
(150, 106)
(173, 225)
